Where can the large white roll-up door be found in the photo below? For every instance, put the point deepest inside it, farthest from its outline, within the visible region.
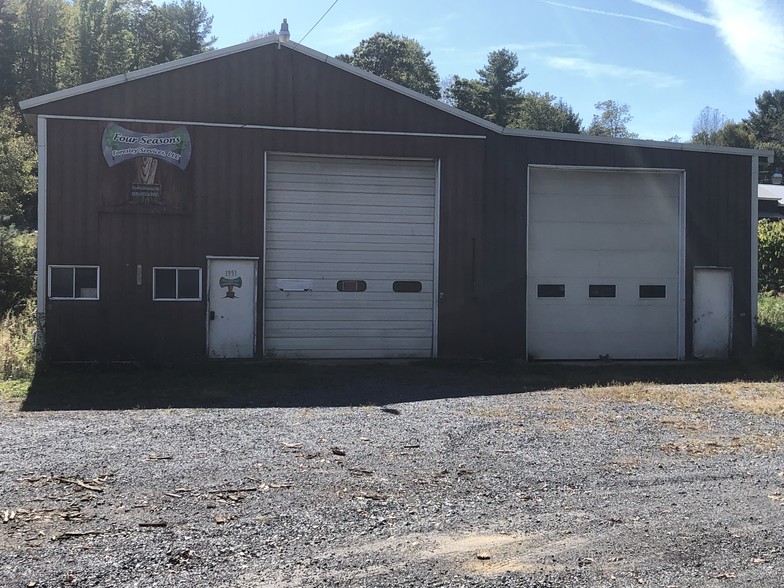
(349, 257)
(603, 264)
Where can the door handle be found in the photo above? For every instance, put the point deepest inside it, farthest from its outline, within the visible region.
(212, 315)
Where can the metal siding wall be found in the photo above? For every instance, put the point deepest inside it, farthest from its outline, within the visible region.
(483, 194)
(717, 225)
(222, 193)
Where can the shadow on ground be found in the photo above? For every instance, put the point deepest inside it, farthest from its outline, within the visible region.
(286, 384)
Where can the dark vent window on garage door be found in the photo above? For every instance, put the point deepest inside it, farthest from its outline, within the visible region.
(550, 290)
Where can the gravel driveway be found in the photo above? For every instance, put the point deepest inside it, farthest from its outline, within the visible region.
(636, 485)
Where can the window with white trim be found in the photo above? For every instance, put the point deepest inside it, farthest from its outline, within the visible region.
(176, 283)
(74, 282)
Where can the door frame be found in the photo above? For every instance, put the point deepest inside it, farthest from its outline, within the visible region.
(681, 310)
(254, 259)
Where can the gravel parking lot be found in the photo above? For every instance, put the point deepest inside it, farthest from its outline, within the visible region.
(465, 481)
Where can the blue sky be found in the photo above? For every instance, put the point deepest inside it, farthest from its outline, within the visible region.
(667, 60)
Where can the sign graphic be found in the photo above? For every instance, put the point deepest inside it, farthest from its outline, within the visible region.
(230, 284)
(120, 144)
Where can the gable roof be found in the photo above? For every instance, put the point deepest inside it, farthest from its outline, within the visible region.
(274, 39)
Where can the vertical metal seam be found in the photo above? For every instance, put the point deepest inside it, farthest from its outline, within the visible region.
(754, 246)
(43, 277)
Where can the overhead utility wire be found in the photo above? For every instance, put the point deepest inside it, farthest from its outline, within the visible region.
(315, 25)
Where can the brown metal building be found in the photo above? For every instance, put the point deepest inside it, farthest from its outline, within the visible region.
(266, 200)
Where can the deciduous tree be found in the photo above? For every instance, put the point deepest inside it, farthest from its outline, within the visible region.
(18, 161)
(545, 112)
(707, 125)
(612, 120)
(397, 59)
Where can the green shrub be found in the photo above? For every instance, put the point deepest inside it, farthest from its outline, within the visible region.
(17, 354)
(770, 329)
(17, 268)
(771, 255)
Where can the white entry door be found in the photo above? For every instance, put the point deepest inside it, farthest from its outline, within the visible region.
(231, 324)
(712, 312)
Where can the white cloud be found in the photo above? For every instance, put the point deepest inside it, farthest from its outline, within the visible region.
(614, 14)
(677, 10)
(754, 33)
(632, 76)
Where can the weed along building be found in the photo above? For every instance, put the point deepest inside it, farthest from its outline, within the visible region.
(265, 200)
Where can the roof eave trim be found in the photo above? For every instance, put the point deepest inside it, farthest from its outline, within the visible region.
(638, 143)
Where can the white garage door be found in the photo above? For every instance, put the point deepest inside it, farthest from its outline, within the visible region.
(603, 264)
(350, 249)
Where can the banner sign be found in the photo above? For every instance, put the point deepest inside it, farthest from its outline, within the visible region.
(120, 145)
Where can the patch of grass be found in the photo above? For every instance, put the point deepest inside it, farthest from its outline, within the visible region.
(653, 393)
(761, 398)
(17, 355)
(14, 389)
(756, 442)
(770, 329)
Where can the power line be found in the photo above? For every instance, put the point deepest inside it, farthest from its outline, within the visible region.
(315, 25)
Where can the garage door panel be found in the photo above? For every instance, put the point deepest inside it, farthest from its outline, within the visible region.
(359, 304)
(351, 185)
(563, 264)
(314, 216)
(337, 228)
(618, 183)
(378, 290)
(381, 314)
(388, 208)
(321, 165)
(608, 319)
(616, 228)
(601, 237)
(332, 219)
(605, 208)
(345, 199)
(316, 258)
(589, 346)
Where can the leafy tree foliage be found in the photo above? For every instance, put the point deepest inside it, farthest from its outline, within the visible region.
(41, 34)
(7, 50)
(495, 96)
(397, 59)
(734, 134)
(771, 256)
(766, 122)
(766, 126)
(545, 112)
(17, 268)
(18, 161)
(611, 121)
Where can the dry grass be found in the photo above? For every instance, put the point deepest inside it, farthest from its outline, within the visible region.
(17, 356)
(757, 442)
(762, 398)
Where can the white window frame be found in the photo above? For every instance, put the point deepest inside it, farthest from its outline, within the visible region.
(176, 284)
(73, 269)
